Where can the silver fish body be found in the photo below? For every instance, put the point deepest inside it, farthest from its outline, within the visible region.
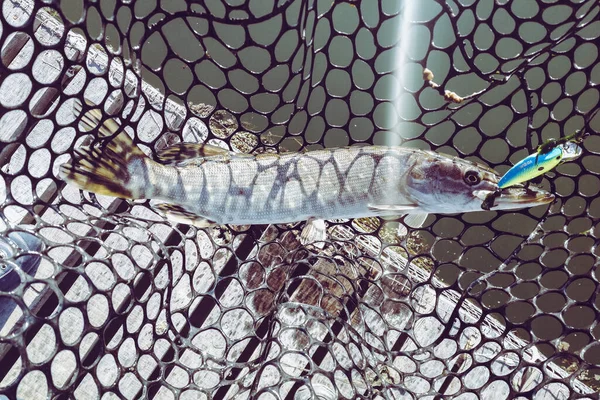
(326, 184)
(220, 187)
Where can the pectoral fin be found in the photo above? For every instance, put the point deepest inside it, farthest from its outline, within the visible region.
(412, 221)
(179, 215)
(315, 230)
(182, 154)
(415, 220)
(393, 208)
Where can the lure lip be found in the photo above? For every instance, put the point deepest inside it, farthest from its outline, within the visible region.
(571, 151)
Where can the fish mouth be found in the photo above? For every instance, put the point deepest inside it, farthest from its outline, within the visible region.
(516, 197)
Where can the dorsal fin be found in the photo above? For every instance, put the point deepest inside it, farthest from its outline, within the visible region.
(186, 153)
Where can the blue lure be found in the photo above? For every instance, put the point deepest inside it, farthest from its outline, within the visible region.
(538, 164)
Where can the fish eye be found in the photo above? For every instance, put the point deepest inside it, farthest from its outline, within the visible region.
(472, 177)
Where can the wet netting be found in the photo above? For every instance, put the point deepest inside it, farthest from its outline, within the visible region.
(102, 298)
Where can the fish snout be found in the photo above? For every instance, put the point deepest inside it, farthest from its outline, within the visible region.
(521, 196)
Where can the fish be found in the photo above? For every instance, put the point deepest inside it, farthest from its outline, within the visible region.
(204, 185)
(539, 163)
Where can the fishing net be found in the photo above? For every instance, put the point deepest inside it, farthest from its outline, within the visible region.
(102, 298)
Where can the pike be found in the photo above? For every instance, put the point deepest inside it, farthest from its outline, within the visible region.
(205, 185)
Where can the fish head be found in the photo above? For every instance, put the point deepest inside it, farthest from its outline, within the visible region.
(445, 184)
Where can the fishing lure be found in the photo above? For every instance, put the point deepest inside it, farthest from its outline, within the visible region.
(545, 159)
(549, 156)
(553, 152)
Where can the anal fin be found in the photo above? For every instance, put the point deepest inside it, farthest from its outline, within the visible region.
(179, 215)
(315, 230)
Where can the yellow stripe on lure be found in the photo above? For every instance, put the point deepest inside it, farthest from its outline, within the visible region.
(539, 163)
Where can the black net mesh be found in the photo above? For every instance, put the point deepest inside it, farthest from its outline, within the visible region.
(101, 298)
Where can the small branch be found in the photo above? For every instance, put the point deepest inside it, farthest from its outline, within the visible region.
(449, 96)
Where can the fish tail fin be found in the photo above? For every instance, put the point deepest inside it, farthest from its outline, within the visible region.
(109, 167)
